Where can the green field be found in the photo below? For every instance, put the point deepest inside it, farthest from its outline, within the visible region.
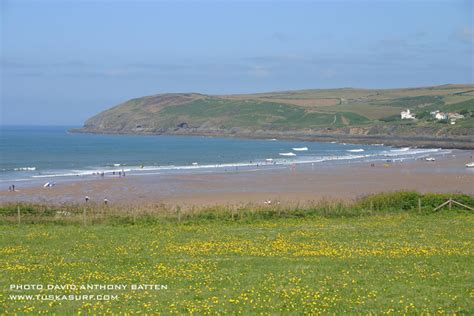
(402, 262)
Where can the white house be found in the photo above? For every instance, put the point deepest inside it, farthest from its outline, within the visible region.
(444, 116)
(407, 115)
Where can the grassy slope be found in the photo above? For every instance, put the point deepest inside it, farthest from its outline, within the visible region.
(250, 113)
(401, 262)
(281, 111)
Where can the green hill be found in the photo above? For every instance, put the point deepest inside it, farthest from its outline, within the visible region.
(361, 115)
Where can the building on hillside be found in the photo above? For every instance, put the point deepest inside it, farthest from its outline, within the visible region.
(455, 116)
(407, 115)
(445, 116)
(441, 116)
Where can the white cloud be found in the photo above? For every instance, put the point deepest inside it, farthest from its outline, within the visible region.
(259, 71)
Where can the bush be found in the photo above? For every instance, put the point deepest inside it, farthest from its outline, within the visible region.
(403, 200)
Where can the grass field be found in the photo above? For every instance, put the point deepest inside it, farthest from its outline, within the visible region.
(401, 262)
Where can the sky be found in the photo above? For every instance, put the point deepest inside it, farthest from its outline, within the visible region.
(64, 61)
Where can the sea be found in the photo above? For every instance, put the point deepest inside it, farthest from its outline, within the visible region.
(34, 154)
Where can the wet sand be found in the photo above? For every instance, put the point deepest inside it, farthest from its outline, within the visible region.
(303, 184)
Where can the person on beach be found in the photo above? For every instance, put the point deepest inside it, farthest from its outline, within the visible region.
(106, 201)
(87, 198)
(13, 187)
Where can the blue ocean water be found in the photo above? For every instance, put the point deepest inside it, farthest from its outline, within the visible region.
(32, 152)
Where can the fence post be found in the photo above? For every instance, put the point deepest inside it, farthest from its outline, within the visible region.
(19, 214)
(419, 205)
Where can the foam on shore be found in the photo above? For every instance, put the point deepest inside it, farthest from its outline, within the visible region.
(394, 155)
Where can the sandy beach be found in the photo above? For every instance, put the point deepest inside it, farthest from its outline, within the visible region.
(303, 184)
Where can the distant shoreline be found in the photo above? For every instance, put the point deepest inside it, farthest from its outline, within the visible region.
(461, 142)
(298, 184)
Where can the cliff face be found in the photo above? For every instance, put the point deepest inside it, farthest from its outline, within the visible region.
(136, 114)
(352, 115)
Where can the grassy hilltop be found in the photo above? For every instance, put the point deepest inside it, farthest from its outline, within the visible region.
(359, 115)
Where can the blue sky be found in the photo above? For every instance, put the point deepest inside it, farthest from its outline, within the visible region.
(63, 61)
